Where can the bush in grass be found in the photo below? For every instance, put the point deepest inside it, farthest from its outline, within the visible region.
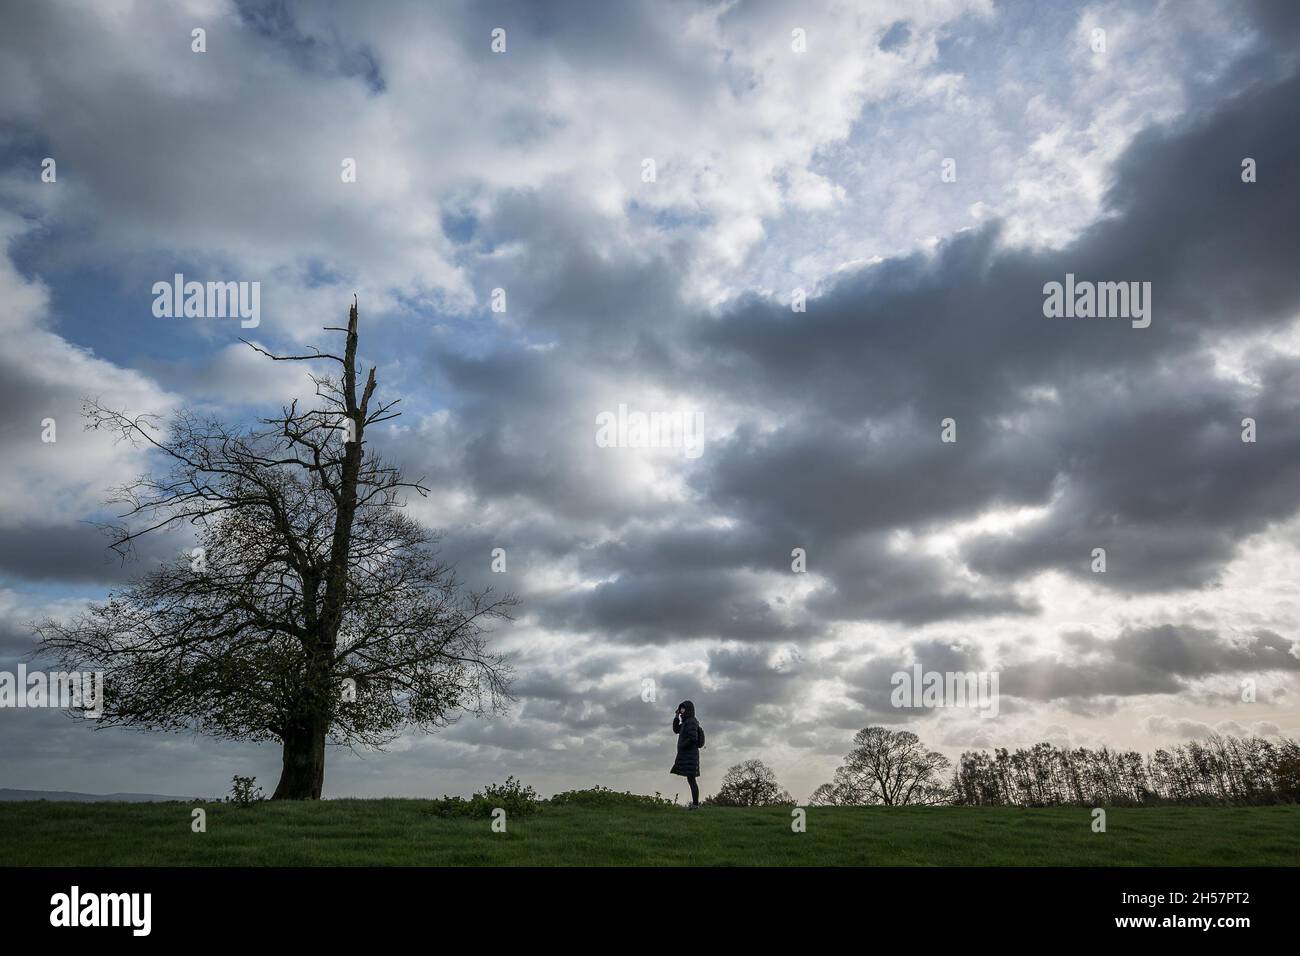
(603, 797)
(243, 792)
(512, 796)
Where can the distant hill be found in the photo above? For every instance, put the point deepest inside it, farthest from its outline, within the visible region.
(7, 794)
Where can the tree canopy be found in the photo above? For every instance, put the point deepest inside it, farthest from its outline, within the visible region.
(313, 608)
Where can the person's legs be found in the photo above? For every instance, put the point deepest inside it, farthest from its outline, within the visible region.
(695, 791)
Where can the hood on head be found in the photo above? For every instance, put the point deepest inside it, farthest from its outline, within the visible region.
(688, 707)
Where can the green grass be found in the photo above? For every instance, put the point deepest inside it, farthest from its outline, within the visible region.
(403, 833)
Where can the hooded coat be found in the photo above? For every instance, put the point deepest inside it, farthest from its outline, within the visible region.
(687, 729)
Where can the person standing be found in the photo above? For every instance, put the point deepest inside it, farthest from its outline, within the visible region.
(690, 738)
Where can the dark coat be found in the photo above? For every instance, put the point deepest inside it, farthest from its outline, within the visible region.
(687, 730)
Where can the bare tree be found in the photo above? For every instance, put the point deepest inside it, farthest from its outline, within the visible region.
(889, 767)
(751, 784)
(1231, 770)
(826, 795)
(314, 608)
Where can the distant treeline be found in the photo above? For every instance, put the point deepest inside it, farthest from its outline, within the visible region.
(1220, 770)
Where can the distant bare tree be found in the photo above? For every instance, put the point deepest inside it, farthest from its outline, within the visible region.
(315, 610)
(1232, 770)
(889, 767)
(750, 784)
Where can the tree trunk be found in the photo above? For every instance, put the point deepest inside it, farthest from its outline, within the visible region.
(303, 773)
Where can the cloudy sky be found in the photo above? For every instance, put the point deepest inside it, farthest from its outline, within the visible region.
(918, 170)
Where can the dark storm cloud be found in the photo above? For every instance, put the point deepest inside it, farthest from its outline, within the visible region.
(1168, 492)
(820, 479)
(750, 681)
(1129, 438)
(1151, 660)
(527, 545)
(524, 428)
(687, 548)
(675, 605)
(15, 643)
(868, 579)
(870, 682)
(694, 579)
(1195, 652)
(1139, 436)
(78, 554)
(584, 278)
(1092, 673)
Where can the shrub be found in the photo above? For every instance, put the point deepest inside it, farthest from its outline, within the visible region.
(512, 796)
(243, 793)
(600, 797)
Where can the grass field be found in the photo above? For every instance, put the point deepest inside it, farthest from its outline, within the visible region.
(404, 833)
